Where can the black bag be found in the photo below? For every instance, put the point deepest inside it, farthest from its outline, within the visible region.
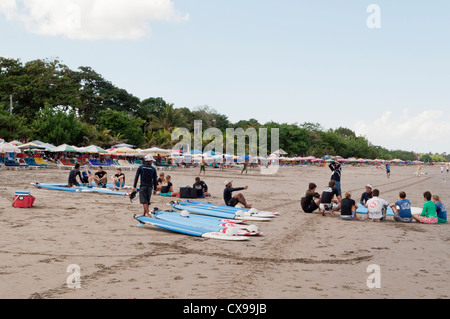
(187, 192)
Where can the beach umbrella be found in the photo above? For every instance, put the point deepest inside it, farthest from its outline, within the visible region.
(156, 151)
(196, 152)
(94, 149)
(31, 146)
(15, 143)
(64, 148)
(124, 150)
(9, 148)
(124, 145)
(279, 152)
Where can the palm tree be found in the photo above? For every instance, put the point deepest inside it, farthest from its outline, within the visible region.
(168, 119)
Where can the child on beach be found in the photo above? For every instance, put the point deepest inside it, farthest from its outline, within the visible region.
(428, 215)
(348, 207)
(119, 179)
(403, 212)
(441, 211)
(388, 170)
(167, 188)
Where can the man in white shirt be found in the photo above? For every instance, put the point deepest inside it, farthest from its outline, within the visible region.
(376, 207)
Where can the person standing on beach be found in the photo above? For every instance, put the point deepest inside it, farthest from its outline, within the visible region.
(202, 167)
(245, 168)
(388, 170)
(336, 169)
(149, 178)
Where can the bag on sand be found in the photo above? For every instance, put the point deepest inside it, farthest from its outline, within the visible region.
(187, 192)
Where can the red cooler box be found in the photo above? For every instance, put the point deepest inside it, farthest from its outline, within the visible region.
(23, 199)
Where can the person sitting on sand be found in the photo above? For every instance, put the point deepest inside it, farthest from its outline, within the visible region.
(201, 187)
(100, 177)
(87, 175)
(231, 200)
(403, 212)
(167, 188)
(376, 207)
(73, 176)
(328, 202)
(119, 179)
(160, 181)
(366, 195)
(428, 215)
(441, 211)
(310, 201)
(348, 207)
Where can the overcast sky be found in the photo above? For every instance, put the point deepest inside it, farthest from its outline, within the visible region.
(282, 60)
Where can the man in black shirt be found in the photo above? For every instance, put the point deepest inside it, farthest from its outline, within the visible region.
(101, 177)
(231, 200)
(336, 169)
(73, 176)
(310, 201)
(366, 195)
(148, 183)
(327, 201)
(201, 187)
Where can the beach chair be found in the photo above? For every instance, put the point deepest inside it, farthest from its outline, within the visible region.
(41, 161)
(32, 162)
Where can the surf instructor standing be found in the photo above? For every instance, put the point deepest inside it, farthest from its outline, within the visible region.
(148, 183)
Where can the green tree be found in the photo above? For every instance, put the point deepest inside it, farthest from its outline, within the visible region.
(58, 127)
(122, 125)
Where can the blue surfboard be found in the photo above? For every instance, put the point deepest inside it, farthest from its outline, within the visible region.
(363, 210)
(187, 230)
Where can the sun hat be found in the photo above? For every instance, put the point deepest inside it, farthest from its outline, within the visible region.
(227, 182)
(370, 186)
(148, 158)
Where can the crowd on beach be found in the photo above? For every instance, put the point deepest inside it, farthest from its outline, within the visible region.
(151, 184)
(331, 201)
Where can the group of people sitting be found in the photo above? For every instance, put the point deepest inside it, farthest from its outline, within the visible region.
(100, 178)
(331, 201)
(165, 187)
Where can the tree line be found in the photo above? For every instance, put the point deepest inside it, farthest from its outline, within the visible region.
(57, 105)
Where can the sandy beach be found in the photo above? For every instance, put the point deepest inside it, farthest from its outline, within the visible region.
(300, 255)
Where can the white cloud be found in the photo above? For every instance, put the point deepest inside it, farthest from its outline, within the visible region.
(422, 132)
(90, 19)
